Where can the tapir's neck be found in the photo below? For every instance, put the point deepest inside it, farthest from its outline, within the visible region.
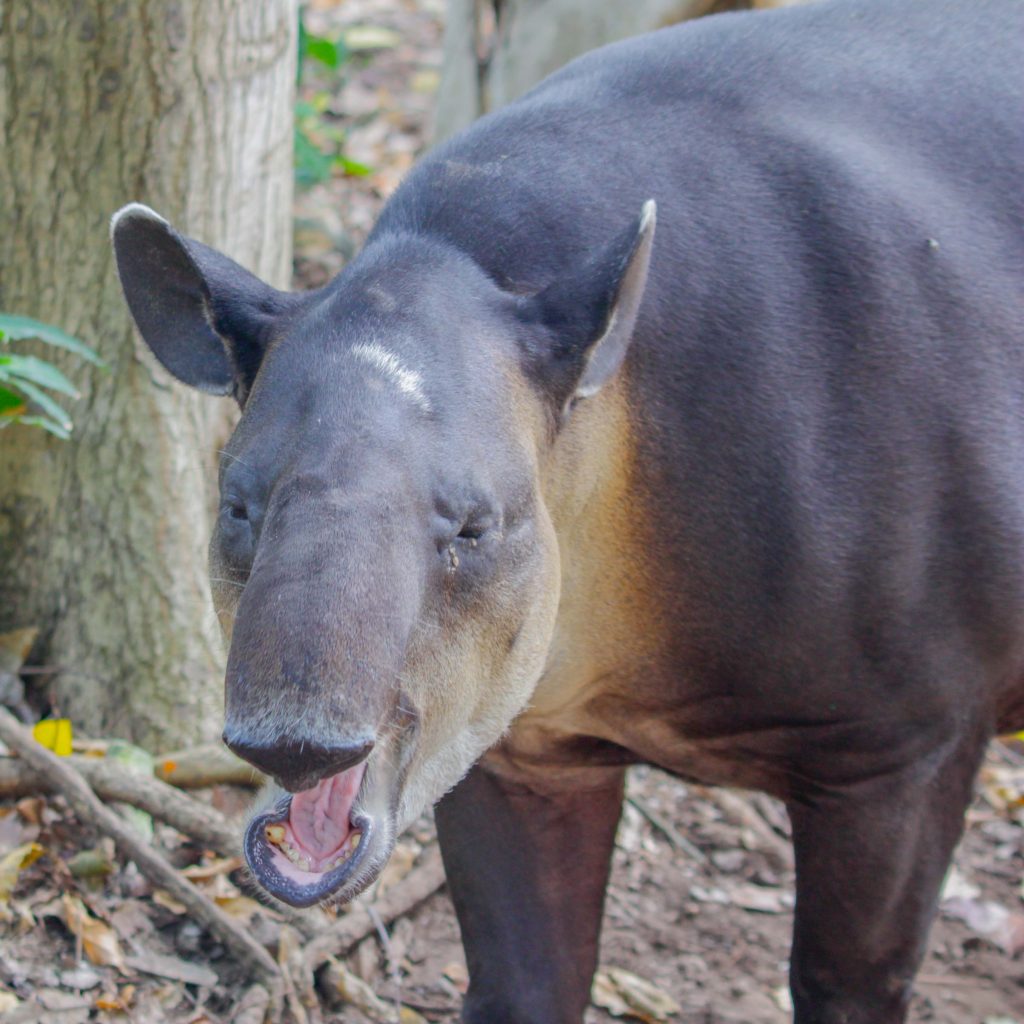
(599, 521)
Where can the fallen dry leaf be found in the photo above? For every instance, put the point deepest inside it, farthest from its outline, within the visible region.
(117, 1003)
(63, 1007)
(624, 994)
(164, 899)
(351, 989)
(11, 865)
(761, 899)
(99, 940)
(14, 831)
(8, 1002)
(1002, 786)
(242, 908)
(782, 998)
(457, 974)
(15, 647)
(222, 866)
(173, 968)
(992, 921)
(80, 978)
(399, 865)
(958, 887)
(370, 37)
(31, 808)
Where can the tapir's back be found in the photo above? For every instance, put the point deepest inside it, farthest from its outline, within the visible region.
(731, 119)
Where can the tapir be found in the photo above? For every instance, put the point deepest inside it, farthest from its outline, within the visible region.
(673, 414)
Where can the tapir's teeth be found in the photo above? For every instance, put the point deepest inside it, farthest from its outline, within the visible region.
(278, 836)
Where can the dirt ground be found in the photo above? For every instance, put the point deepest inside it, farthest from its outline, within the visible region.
(700, 904)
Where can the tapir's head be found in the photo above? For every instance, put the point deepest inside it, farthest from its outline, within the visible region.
(384, 563)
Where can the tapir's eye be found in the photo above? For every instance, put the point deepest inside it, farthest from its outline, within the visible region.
(472, 531)
(237, 511)
(476, 526)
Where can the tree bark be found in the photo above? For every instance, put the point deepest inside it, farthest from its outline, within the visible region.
(185, 105)
(495, 50)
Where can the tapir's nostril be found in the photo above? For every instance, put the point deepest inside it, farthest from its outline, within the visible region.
(300, 764)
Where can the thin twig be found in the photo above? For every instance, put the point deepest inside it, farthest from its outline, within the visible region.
(679, 841)
(423, 881)
(86, 805)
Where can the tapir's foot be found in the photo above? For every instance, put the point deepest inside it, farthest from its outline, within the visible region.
(325, 843)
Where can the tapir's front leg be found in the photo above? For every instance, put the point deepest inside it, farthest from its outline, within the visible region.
(527, 870)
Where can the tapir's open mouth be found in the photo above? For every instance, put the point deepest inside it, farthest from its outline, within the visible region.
(305, 848)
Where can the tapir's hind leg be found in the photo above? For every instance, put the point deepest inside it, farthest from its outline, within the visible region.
(870, 862)
(527, 871)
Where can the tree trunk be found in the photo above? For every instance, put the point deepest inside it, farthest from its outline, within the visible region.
(185, 105)
(495, 50)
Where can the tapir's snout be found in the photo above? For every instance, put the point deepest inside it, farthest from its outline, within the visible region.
(297, 764)
(313, 688)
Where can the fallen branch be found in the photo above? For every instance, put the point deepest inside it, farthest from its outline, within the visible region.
(743, 814)
(423, 881)
(209, 765)
(113, 782)
(65, 779)
(667, 829)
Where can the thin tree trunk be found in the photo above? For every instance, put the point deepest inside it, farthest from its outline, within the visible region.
(185, 106)
(495, 50)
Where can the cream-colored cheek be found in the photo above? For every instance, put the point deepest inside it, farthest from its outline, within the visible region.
(480, 688)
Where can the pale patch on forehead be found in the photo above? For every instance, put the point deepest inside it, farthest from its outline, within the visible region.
(409, 382)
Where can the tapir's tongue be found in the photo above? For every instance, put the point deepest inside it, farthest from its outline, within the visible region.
(320, 818)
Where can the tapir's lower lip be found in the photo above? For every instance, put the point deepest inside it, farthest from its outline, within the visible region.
(298, 887)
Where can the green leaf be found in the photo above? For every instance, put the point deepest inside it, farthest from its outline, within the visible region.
(47, 424)
(312, 165)
(38, 372)
(15, 327)
(11, 403)
(46, 403)
(139, 762)
(327, 53)
(353, 167)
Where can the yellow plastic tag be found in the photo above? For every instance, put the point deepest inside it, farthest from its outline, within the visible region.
(54, 734)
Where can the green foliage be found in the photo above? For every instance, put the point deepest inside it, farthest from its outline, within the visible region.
(23, 378)
(319, 142)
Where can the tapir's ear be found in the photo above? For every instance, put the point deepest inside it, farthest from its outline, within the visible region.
(205, 317)
(590, 315)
